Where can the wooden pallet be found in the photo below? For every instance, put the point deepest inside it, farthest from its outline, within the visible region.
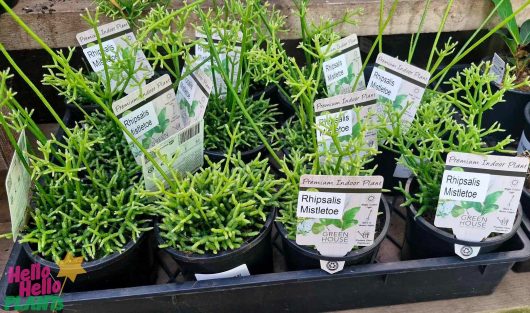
(58, 21)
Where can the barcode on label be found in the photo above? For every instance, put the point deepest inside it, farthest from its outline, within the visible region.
(189, 133)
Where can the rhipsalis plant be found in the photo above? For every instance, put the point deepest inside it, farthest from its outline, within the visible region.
(446, 122)
(218, 208)
(235, 28)
(349, 156)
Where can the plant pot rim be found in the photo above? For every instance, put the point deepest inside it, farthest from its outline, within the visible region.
(354, 254)
(448, 237)
(89, 266)
(222, 255)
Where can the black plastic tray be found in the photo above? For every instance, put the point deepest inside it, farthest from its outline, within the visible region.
(523, 267)
(386, 282)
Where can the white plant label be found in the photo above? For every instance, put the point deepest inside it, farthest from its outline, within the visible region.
(412, 84)
(229, 59)
(336, 236)
(239, 271)
(472, 213)
(150, 114)
(114, 35)
(341, 109)
(524, 144)
(192, 96)
(18, 187)
(498, 66)
(320, 204)
(183, 151)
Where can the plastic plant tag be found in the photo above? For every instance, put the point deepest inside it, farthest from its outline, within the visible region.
(192, 96)
(229, 59)
(341, 108)
(239, 271)
(498, 66)
(183, 151)
(114, 35)
(150, 114)
(479, 195)
(358, 196)
(342, 69)
(18, 187)
(524, 144)
(399, 85)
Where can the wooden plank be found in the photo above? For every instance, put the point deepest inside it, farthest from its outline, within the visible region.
(58, 21)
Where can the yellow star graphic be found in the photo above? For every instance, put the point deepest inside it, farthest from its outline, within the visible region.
(70, 267)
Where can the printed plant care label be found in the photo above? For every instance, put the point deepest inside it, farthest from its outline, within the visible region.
(342, 69)
(229, 59)
(239, 271)
(114, 36)
(150, 114)
(337, 213)
(18, 187)
(399, 85)
(479, 195)
(182, 151)
(498, 66)
(341, 108)
(192, 96)
(524, 144)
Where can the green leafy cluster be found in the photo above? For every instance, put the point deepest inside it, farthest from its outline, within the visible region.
(446, 122)
(130, 10)
(517, 39)
(88, 202)
(217, 116)
(348, 220)
(163, 124)
(489, 205)
(218, 208)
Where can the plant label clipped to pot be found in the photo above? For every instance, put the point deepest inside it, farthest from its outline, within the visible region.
(498, 67)
(342, 69)
(114, 36)
(192, 96)
(401, 86)
(150, 114)
(337, 213)
(230, 59)
(18, 186)
(479, 195)
(182, 151)
(341, 109)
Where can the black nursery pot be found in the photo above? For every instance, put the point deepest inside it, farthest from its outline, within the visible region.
(509, 113)
(524, 142)
(256, 254)
(134, 266)
(386, 165)
(304, 257)
(10, 3)
(424, 240)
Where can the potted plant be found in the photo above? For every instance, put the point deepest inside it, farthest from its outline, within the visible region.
(444, 123)
(517, 40)
(220, 217)
(86, 201)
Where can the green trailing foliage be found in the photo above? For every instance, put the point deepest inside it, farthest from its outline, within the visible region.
(218, 208)
(445, 122)
(89, 203)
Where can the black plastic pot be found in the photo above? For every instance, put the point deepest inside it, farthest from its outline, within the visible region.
(524, 266)
(134, 266)
(386, 165)
(304, 257)
(524, 141)
(424, 240)
(10, 3)
(256, 254)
